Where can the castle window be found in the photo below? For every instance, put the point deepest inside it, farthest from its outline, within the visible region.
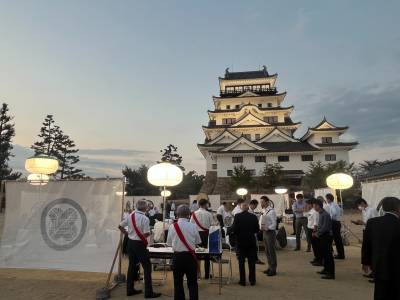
(257, 136)
(214, 166)
(239, 88)
(228, 107)
(259, 105)
(229, 172)
(247, 136)
(247, 87)
(283, 158)
(237, 106)
(228, 121)
(307, 158)
(271, 119)
(330, 157)
(237, 159)
(229, 89)
(252, 172)
(269, 104)
(326, 140)
(260, 159)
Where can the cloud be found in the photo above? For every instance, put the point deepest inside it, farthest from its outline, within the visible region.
(371, 112)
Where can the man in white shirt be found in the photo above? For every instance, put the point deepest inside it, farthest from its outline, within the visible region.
(367, 212)
(312, 226)
(138, 231)
(238, 208)
(203, 219)
(183, 261)
(336, 214)
(194, 206)
(268, 226)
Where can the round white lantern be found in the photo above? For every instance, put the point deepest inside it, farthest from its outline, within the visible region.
(38, 179)
(41, 164)
(281, 190)
(120, 193)
(164, 174)
(241, 191)
(166, 193)
(339, 181)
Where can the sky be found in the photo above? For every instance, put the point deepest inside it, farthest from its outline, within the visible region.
(126, 78)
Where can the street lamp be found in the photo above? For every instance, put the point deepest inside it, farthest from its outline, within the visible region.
(41, 164)
(165, 193)
(339, 181)
(241, 192)
(164, 174)
(38, 179)
(281, 190)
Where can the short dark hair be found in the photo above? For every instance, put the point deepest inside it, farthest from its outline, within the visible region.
(203, 202)
(360, 201)
(390, 204)
(254, 202)
(329, 197)
(299, 196)
(309, 201)
(318, 203)
(194, 201)
(239, 201)
(265, 198)
(291, 195)
(224, 203)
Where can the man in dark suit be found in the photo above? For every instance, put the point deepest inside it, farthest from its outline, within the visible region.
(381, 250)
(245, 226)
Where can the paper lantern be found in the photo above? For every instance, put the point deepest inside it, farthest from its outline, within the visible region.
(38, 179)
(164, 174)
(241, 191)
(339, 181)
(41, 164)
(166, 193)
(120, 193)
(281, 190)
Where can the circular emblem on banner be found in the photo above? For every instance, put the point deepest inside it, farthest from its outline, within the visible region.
(63, 224)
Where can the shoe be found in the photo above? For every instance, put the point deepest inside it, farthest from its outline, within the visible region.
(242, 283)
(259, 262)
(252, 283)
(338, 257)
(317, 264)
(271, 273)
(371, 281)
(313, 261)
(323, 272)
(134, 292)
(328, 276)
(297, 249)
(267, 271)
(154, 295)
(370, 275)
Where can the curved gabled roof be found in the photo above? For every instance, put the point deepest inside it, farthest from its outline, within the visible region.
(261, 109)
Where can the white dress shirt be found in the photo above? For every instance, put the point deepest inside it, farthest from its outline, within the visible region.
(369, 213)
(142, 223)
(189, 231)
(335, 211)
(268, 219)
(204, 217)
(313, 218)
(236, 210)
(153, 211)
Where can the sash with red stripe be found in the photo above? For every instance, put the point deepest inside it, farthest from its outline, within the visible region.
(197, 222)
(139, 234)
(183, 240)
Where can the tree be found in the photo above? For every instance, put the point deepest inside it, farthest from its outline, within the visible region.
(241, 177)
(7, 132)
(190, 185)
(54, 142)
(271, 176)
(170, 154)
(66, 155)
(137, 183)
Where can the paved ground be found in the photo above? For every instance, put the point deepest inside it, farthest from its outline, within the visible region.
(296, 279)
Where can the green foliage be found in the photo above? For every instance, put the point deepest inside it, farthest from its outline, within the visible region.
(7, 132)
(272, 176)
(317, 173)
(241, 177)
(170, 154)
(137, 183)
(55, 143)
(190, 185)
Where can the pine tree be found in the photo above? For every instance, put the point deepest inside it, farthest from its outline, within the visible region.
(66, 155)
(48, 134)
(7, 132)
(170, 154)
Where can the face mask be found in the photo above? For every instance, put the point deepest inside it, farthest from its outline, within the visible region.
(360, 208)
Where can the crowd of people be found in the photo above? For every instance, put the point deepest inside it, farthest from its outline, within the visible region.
(318, 219)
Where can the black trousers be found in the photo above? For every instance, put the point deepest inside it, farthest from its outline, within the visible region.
(294, 223)
(221, 224)
(326, 253)
(204, 244)
(183, 263)
(250, 253)
(139, 254)
(315, 247)
(337, 237)
(387, 289)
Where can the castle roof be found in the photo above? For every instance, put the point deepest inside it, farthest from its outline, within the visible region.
(247, 74)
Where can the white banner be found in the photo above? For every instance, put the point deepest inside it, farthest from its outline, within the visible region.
(374, 192)
(64, 225)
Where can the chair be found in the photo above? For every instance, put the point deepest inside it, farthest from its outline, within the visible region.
(226, 248)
